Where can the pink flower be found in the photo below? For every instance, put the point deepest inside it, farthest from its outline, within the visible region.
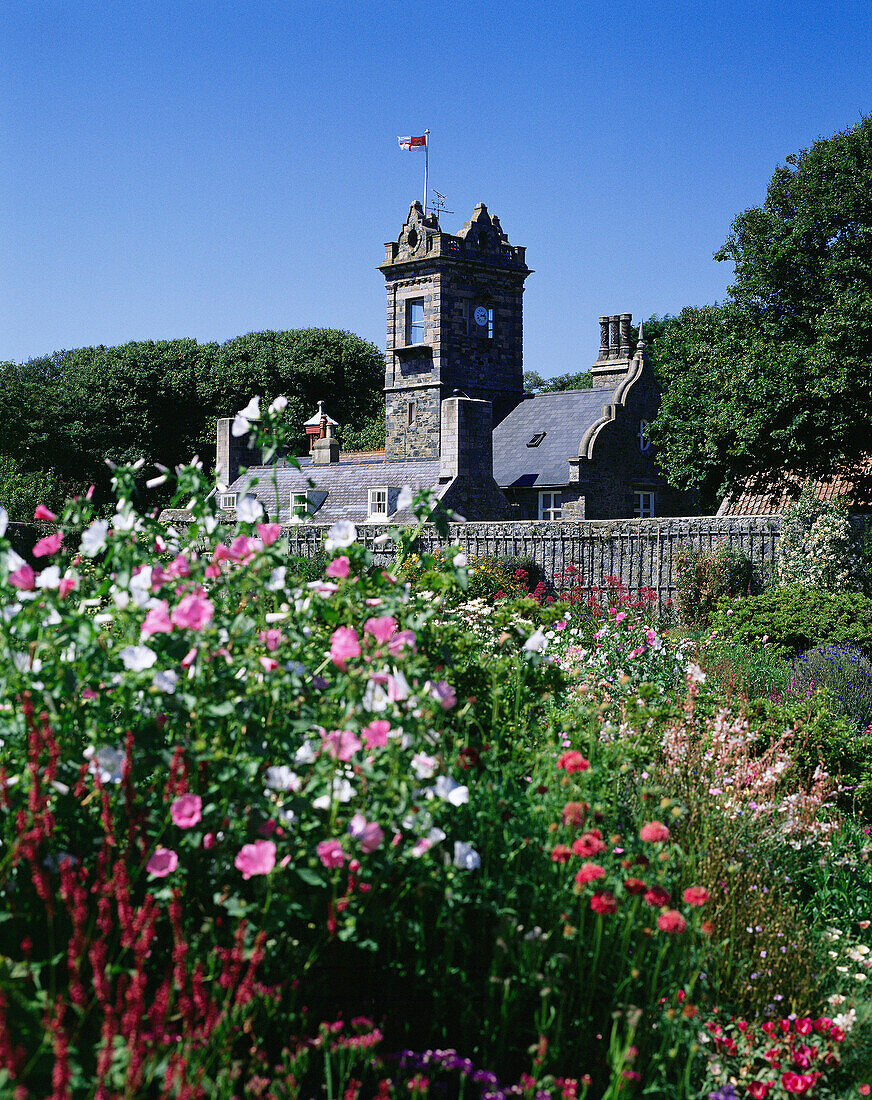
(381, 629)
(331, 853)
(443, 693)
(696, 895)
(189, 658)
(344, 644)
(339, 567)
(650, 636)
(256, 859)
(341, 744)
(187, 810)
(23, 578)
(657, 897)
(271, 639)
(369, 833)
(242, 548)
(43, 513)
(604, 902)
(573, 761)
(398, 641)
(797, 1084)
(162, 863)
(654, 832)
(179, 567)
(268, 532)
(621, 615)
(637, 652)
(268, 664)
(67, 585)
(671, 922)
(560, 626)
(49, 545)
(589, 844)
(209, 840)
(193, 612)
(589, 872)
(375, 735)
(157, 621)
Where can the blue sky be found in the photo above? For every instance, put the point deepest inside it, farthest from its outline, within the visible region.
(206, 169)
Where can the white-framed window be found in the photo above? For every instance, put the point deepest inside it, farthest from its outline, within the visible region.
(228, 500)
(550, 505)
(299, 505)
(644, 506)
(642, 437)
(378, 504)
(414, 320)
(490, 323)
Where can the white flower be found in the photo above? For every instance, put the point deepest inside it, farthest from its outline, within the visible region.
(249, 509)
(166, 681)
(423, 765)
(242, 421)
(279, 405)
(536, 642)
(23, 662)
(281, 778)
(404, 500)
(343, 533)
(695, 673)
(276, 579)
(4, 520)
(13, 561)
(465, 856)
(459, 560)
(305, 754)
(451, 791)
(137, 658)
(845, 1020)
(125, 519)
(49, 578)
(342, 791)
(105, 762)
(94, 538)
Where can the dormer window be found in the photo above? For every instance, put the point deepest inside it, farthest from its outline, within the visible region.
(299, 505)
(415, 321)
(228, 500)
(378, 504)
(537, 439)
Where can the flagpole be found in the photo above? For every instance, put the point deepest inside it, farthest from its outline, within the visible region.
(426, 165)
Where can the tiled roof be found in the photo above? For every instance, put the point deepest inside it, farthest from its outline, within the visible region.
(338, 490)
(765, 495)
(563, 418)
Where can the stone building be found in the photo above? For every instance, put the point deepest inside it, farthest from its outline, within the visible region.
(457, 419)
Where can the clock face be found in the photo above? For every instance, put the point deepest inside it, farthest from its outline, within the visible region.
(480, 316)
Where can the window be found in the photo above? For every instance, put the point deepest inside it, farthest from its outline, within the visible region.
(411, 412)
(228, 500)
(550, 505)
(642, 437)
(415, 321)
(537, 439)
(644, 508)
(299, 505)
(378, 504)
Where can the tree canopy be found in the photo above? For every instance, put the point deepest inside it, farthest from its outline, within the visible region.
(64, 414)
(778, 375)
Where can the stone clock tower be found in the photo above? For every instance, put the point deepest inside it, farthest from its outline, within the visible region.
(455, 322)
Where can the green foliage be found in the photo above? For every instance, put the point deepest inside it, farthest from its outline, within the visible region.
(793, 618)
(777, 376)
(68, 412)
(535, 383)
(370, 436)
(706, 576)
(818, 548)
(22, 490)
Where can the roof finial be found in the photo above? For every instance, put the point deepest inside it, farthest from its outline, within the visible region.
(640, 343)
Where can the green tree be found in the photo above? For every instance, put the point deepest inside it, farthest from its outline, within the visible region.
(778, 375)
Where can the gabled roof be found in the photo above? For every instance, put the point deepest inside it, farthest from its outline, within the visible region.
(769, 495)
(564, 417)
(338, 490)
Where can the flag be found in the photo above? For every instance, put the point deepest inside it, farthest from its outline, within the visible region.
(413, 142)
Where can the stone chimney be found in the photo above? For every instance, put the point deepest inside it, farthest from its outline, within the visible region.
(613, 361)
(325, 449)
(316, 426)
(232, 453)
(466, 461)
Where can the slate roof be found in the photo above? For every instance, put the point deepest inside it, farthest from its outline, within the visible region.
(564, 417)
(338, 490)
(767, 495)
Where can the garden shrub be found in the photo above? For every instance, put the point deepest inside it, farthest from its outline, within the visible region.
(705, 576)
(818, 548)
(844, 672)
(796, 618)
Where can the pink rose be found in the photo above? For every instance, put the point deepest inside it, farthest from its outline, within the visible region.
(375, 735)
(193, 612)
(331, 853)
(187, 810)
(157, 621)
(256, 859)
(654, 832)
(339, 567)
(381, 629)
(344, 645)
(49, 545)
(162, 863)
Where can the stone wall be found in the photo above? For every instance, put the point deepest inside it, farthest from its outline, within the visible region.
(638, 551)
